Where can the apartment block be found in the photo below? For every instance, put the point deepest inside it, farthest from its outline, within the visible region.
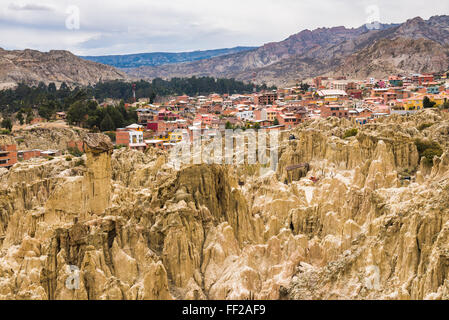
(8, 155)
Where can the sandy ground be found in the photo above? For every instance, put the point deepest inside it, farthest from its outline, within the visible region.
(7, 85)
(48, 125)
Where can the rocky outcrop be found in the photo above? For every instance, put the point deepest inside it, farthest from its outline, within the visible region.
(397, 56)
(47, 138)
(98, 149)
(372, 225)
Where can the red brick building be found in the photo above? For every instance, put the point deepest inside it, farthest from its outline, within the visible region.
(265, 98)
(334, 111)
(290, 120)
(130, 138)
(29, 154)
(8, 155)
(426, 79)
(37, 120)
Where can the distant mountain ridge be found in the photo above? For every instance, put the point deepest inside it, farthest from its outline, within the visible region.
(32, 67)
(161, 58)
(327, 51)
(416, 45)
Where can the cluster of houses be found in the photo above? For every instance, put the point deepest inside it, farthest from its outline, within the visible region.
(163, 125)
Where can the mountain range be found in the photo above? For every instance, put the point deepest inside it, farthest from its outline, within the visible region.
(161, 58)
(414, 46)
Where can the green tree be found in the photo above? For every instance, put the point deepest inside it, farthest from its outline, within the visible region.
(228, 125)
(7, 124)
(47, 110)
(276, 122)
(77, 113)
(20, 117)
(52, 87)
(304, 87)
(107, 124)
(116, 116)
(30, 115)
(427, 103)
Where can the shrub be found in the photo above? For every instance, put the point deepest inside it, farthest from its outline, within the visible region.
(7, 124)
(424, 126)
(111, 135)
(5, 131)
(68, 159)
(427, 103)
(428, 150)
(350, 133)
(50, 158)
(80, 163)
(75, 152)
(119, 146)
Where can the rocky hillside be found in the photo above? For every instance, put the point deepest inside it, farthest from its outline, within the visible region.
(242, 65)
(32, 67)
(374, 226)
(328, 51)
(47, 138)
(415, 46)
(397, 56)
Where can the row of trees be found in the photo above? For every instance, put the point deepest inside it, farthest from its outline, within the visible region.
(39, 97)
(176, 86)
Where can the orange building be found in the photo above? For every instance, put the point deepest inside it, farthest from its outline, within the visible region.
(265, 98)
(425, 79)
(334, 111)
(8, 155)
(29, 154)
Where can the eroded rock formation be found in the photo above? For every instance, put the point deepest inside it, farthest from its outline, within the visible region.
(374, 225)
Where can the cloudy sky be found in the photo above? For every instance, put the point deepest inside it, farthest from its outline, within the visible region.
(91, 27)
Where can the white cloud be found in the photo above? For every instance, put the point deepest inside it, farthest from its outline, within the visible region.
(115, 27)
(30, 7)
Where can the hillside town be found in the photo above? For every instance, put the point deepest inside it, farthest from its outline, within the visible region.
(161, 125)
(286, 108)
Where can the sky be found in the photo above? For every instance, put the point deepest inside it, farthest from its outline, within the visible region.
(89, 27)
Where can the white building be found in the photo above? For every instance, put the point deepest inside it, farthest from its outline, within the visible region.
(136, 138)
(331, 93)
(246, 115)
